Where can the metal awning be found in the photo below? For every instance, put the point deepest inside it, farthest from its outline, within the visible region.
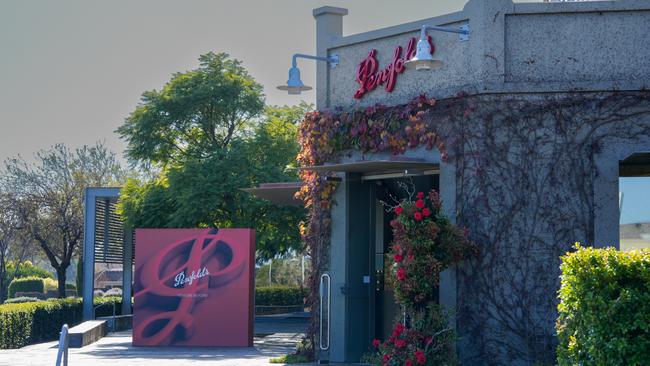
(278, 193)
(378, 169)
(637, 165)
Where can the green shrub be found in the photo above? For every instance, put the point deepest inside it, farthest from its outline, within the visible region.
(26, 284)
(107, 306)
(27, 269)
(34, 322)
(604, 310)
(70, 286)
(22, 299)
(279, 296)
(290, 359)
(50, 284)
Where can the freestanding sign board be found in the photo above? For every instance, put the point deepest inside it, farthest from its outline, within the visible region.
(193, 287)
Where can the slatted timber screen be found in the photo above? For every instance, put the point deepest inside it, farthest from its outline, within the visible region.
(109, 233)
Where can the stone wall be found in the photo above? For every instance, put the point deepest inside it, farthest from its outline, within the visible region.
(513, 47)
(525, 188)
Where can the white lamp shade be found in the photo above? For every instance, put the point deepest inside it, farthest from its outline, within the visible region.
(423, 60)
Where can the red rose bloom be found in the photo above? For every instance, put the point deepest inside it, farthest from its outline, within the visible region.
(408, 363)
(398, 258)
(398, 210)
(426, 212)
(420, 195)
(376, 343)
(399, 343)
(417, 216)
(399, 328)
(401, 274)
(420, 358)
(386, 357)
(419, 203)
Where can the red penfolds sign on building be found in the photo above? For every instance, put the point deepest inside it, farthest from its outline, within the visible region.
(369, 76)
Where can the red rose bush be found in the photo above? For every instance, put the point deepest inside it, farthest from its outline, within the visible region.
(426, 341)
(425, 242)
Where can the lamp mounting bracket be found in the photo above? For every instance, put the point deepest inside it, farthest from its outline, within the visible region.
(463, 31)
(332, 60)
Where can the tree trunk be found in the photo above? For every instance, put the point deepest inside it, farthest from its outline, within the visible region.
(60, 274)
(3, 277)
(3, 290)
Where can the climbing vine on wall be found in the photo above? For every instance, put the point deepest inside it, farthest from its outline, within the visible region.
(323, 136)
(524, 189)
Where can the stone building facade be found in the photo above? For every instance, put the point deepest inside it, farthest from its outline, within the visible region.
(555, 108)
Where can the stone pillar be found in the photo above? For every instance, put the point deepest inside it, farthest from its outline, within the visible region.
(88, 256)
(338, 274)
(448, 287)
(487, 21)
(127, 272)
(329, 27)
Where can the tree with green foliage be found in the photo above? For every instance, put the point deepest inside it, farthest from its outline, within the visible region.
(196, 115)
(47, 196)
(285, 271)
(210, 135)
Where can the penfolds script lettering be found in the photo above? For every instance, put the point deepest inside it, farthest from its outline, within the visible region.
(369, 76)
(182, 280)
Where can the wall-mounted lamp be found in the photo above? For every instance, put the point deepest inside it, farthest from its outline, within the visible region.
(294, 84)
(423, 60)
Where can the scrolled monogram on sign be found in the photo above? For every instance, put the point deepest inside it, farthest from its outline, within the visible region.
(369, 76)
(176, 278)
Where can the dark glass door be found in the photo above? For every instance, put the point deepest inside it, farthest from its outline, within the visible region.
(388, 192)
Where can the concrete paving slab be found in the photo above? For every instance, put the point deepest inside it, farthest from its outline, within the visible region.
(275, 335)
(117, 349)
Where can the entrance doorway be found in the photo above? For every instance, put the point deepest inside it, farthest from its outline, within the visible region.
(362, 303)
(388, 193)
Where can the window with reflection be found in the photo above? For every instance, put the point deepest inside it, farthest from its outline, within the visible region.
(634, 202)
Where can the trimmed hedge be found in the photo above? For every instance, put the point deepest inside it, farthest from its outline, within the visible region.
(279, 296)
(50, 285)
(22, 299)
(604, 310)
(34, 322)
(27, 269)
(26, 284)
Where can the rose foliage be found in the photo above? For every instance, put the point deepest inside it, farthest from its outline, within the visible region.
(424, 243)
(426, 341)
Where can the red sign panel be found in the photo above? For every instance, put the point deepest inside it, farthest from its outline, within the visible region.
(193, 287)
(369, 76)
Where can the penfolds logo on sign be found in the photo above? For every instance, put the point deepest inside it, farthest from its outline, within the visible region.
(369, 76)
(182, 280)
(189, 282)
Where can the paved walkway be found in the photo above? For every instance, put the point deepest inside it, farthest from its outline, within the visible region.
(274, 336)
(116, 349)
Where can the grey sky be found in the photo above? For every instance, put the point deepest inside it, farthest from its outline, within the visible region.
(70, 71)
